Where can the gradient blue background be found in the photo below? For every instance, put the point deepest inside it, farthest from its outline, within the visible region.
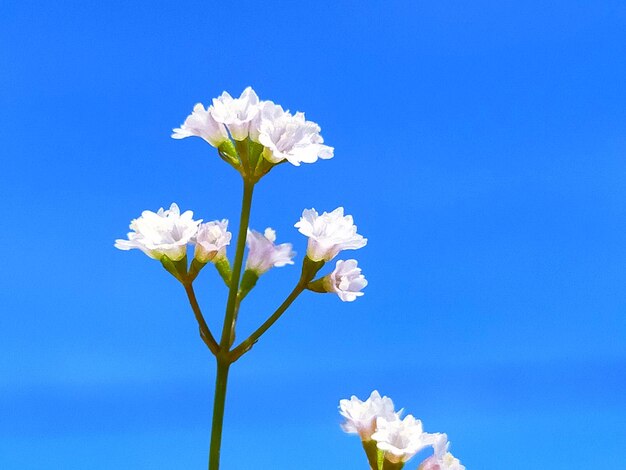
(481, 148)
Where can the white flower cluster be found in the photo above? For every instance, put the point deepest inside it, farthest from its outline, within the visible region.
(399, 438)
(329, 234)
(168, 232)
(284, 136)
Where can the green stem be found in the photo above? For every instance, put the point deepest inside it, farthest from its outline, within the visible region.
(236, 272)
(223, 359)
(254, 337)
(218, 413)
(205, 332)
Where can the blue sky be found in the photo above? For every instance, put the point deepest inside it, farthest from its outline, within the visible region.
(480, 147)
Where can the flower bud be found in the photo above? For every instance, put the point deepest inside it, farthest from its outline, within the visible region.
(346, 281)
(211, 241)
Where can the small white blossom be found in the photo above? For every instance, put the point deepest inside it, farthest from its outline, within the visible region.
(361, 415)
(200, 123)
(164, 233)
(288, 137)
(236, 113)
(346, 280)
(264, 254)
(268, 112)
(329, 233)
(400, 439)
(441, 459)
(211, 240)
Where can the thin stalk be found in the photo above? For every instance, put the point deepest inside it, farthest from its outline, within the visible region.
(205, 332)
(223, 359)
(254, 337)
(236, 273)
(218, 413)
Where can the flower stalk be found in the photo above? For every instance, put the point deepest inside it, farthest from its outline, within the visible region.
(246, 205)
(223, 359)
(219, 402)
(205, 332)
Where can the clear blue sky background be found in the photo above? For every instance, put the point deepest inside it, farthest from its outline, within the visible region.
(481, 148)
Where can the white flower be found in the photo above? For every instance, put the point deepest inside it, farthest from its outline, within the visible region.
(288, 137)
(329, 233)
(263, 253)
(201, 124)
(166, 232)
(268, 112)
(211, 240)
(361, 415)
(400, 439)
(441, 459)
(236, 113)
(346, 280)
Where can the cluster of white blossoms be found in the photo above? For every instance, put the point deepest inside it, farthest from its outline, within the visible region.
(284, 136)
(395, 439)
(167, 233)
(164, 233)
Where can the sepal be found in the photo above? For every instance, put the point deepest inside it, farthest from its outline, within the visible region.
(385, 464)
(254, 155)
(178, 269)
(248, 281)
(310, 268)
(227, 152)
(318, 285)
(223, 268)
(194, 269)
(371, 451)
(242, 150)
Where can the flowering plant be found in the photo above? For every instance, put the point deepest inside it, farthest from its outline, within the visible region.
(390, 441)
(254, 136)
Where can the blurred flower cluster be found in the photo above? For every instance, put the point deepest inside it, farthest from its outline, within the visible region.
(390, 441)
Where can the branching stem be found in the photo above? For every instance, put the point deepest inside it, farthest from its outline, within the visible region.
(205, 332)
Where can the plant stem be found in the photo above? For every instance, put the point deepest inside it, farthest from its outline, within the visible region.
(218, 413)
(205, 332)
(236, 273)
(223, 359)
(254, 337)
